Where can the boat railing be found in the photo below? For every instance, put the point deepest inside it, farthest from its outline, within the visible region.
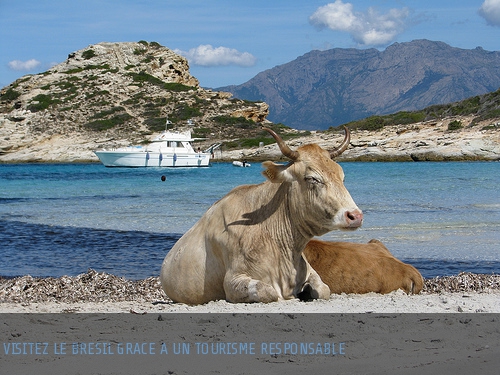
(213, 147)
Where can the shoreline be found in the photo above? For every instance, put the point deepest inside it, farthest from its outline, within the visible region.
(95, 292)
(426, 141)
(254, 156)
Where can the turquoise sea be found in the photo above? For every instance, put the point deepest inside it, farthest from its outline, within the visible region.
(61, 219)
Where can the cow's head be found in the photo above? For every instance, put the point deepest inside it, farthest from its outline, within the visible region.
(320, 198)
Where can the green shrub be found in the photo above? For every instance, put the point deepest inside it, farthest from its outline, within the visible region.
(91, 67)
(99, 103)
(249, 142)
(255, 142)
(178, 87)
(404, 118)
(494, 113)
(201, 132)
(185, 112)
(42, 102)
(88, 54)
(108, 112)
(369, 123)
(10, 95)
(455, 125)
(148, 58)
(230, 120)
(489, 127)
(73, 71)
(105, 124)
(142, 77)
(151, 112)
(155, 124)
(91, 95)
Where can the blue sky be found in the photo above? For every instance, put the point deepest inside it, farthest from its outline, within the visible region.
(230, 41)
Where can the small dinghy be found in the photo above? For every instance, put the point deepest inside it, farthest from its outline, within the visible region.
(243, 163)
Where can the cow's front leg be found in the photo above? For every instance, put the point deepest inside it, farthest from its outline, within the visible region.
(242, 288)
(314, 288)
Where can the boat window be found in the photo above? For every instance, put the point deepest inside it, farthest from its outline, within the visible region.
(175, 144)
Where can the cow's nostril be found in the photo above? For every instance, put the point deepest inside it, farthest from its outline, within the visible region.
(354, 218)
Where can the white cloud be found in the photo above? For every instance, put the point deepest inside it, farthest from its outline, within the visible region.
(366, 28)
(24, 65)
(490, 11)
(206, 55)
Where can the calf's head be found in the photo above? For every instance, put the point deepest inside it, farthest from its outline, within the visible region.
(318, 195)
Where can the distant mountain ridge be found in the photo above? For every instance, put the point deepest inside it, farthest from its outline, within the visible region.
(328, 88)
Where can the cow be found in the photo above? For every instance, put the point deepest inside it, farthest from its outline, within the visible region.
(247, 247)
(348, 267)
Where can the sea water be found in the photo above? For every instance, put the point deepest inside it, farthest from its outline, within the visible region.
(62, 219)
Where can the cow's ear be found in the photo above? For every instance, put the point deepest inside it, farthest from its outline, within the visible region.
(276, 172)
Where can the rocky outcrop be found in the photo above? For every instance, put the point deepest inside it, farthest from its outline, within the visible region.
(151, 58)
(427, 141)
(423, 141)
(113, 94)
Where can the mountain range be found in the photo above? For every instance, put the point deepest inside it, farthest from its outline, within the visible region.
(328, 88)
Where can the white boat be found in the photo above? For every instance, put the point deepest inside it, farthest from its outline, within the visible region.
(238, 163)
(169, 149)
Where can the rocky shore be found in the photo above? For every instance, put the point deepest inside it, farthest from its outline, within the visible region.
(415, 142)
(425, 141)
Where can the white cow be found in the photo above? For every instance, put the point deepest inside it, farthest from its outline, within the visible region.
(248, 246)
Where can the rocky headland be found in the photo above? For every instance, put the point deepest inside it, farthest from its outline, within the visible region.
(117, 94)
(110, 95)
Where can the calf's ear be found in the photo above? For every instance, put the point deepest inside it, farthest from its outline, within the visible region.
(276, 173)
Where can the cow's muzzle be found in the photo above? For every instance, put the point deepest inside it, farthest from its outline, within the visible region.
(353, 219)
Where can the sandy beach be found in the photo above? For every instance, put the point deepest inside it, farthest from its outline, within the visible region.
(395, 302)
(97, 292)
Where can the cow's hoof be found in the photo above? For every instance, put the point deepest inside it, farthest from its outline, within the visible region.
(306, 295)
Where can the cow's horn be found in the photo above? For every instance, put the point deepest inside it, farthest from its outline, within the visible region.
(345, 143)
(285, 150)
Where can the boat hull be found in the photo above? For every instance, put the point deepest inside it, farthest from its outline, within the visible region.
(237, 163)
(152, 159)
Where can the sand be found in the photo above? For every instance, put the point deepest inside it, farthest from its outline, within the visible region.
(395, 302)
(99, 292)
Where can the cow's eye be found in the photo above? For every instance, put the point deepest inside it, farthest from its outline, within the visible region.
(313, 180)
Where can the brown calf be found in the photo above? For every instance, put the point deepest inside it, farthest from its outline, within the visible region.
(361, 268)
